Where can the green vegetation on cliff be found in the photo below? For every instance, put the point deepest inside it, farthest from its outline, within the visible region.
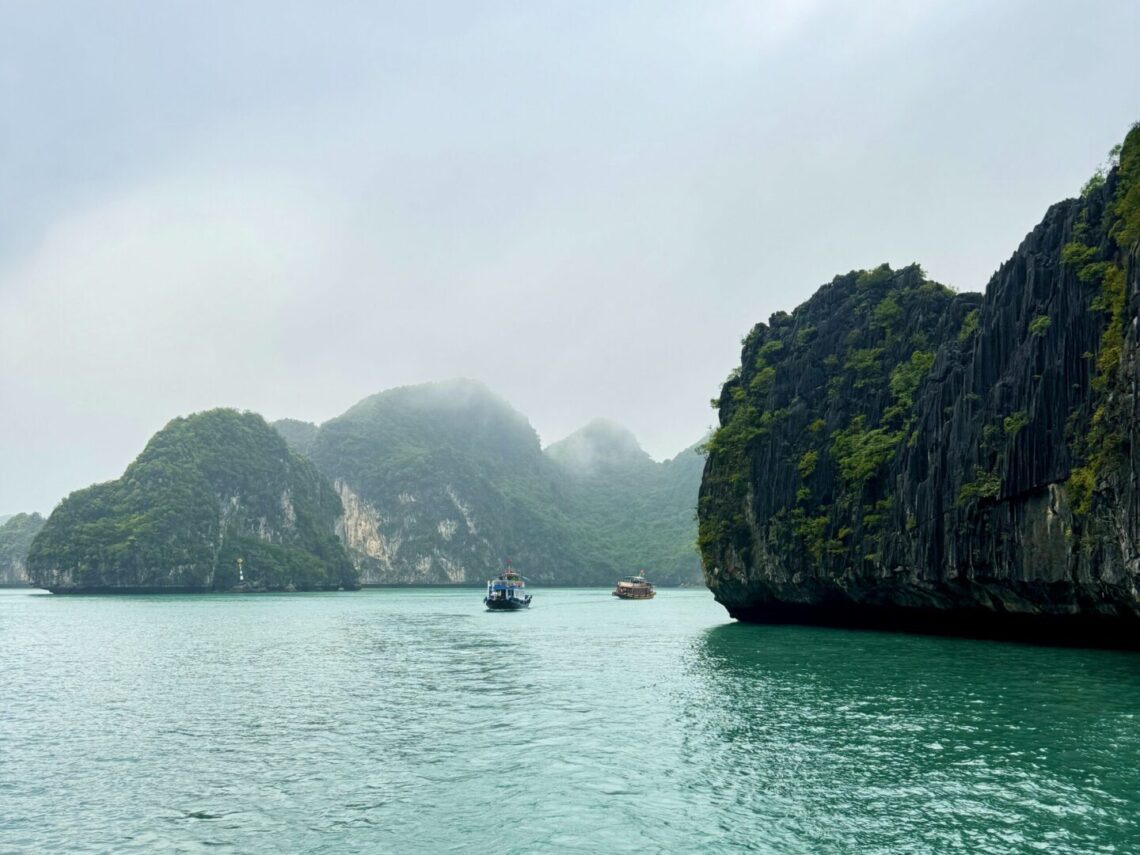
(298, 434)
(891, 447)
(835, 380)
(1099, 255)
(207, 490)
(442, 482)
(441, 478)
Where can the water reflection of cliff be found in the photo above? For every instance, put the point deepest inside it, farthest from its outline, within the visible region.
(857, 741)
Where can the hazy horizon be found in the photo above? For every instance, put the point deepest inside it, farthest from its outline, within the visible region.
(286, 209)
(546, 442)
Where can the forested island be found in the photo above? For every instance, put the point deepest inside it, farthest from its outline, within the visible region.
(442, 482)
(890, 453)
(216, 501)
(436, 484)
(894, 454)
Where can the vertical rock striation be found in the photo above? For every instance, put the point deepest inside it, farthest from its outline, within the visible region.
(893, 454)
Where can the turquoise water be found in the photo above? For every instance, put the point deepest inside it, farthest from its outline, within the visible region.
(413, 721)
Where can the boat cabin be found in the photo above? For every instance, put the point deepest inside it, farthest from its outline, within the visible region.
(634, 588)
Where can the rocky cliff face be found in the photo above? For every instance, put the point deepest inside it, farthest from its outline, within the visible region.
(215, 500)
(16, 535)
(892, 454)
(442, 483)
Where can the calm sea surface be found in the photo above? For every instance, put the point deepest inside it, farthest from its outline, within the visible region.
(413, 721)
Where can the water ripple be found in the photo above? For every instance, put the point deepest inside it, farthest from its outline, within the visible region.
(412, 721)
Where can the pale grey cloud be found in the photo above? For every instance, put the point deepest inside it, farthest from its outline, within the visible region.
(289, 206)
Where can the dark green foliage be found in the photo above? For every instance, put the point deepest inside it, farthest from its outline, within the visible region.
(1040, 325)
(1104, 447)
(807, 463)
(985, 485)
(207, 489)
(865, 365)
(16, 535)
(905, 380)
(1126, 230)
(1095, 183)
(969, 325)
(300, 435)
(861, 452)
(1012, 424)
(1076, 254)
(833, 407)
(925, 453)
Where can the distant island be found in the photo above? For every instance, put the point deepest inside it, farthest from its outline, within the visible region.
(16, 534)
(436, 484)
(442, 482)
(892, 453)
(216, 501)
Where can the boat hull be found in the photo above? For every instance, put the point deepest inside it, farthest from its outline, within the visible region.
(639, 595)
(506, 605)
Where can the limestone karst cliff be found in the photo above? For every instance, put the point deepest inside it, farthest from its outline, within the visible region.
(894, 454)
(214, 499)
(442, 482)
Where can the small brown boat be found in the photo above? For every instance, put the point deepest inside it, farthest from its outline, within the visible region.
(634, 588)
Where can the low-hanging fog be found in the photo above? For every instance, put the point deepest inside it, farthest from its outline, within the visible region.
(286, 207)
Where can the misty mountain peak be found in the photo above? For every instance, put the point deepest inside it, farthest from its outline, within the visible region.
(459, 397)
(456, 414)
(600, 446)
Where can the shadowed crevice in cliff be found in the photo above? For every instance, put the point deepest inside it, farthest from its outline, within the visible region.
(1058, 630)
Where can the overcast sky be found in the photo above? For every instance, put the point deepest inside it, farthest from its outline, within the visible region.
(288, 206)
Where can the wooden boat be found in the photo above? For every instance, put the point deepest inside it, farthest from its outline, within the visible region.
(634, 588)
(507, 592)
